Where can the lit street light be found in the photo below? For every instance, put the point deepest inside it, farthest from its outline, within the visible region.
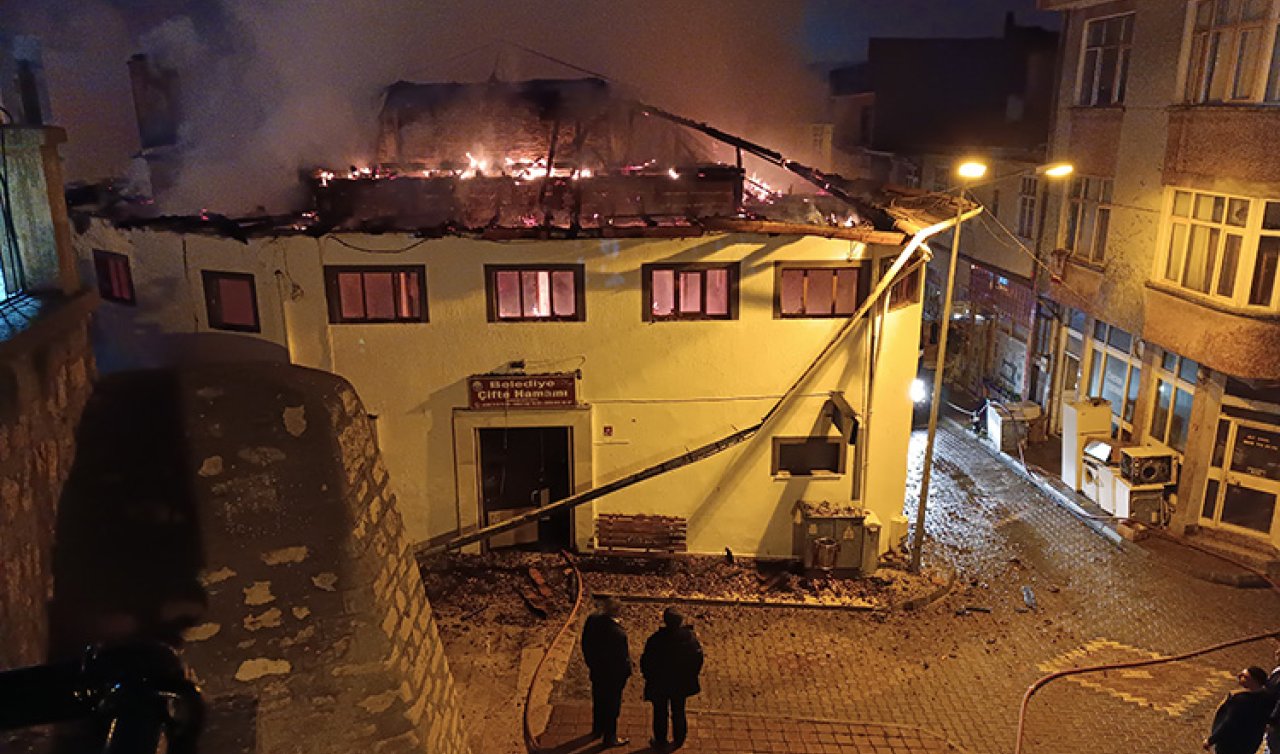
(968, 171)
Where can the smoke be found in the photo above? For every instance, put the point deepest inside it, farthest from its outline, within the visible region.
(269, 87)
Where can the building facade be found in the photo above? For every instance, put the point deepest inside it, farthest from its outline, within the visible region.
(506, 375)
(1165, 246)
(907, 116)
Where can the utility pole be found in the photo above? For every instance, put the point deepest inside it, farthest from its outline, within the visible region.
(917, 540)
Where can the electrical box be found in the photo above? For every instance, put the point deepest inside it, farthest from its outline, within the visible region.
(835, 539)
(1081, 421)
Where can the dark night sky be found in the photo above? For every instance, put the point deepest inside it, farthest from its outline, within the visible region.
(838, 30)
(272, 86)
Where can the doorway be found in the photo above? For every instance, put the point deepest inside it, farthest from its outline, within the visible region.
(1244, 478)
(522, 468)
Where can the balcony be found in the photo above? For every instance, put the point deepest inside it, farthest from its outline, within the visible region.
(1240, 344)
(1094, 143)
(1210, 145)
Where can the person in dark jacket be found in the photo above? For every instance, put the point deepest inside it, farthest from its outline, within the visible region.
(1241, 718)
(1273, 686)
(604, 647)
(671, 662)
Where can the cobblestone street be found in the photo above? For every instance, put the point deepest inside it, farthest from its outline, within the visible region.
(962, 676)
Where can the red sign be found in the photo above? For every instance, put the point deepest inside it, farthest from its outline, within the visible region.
(523, 391)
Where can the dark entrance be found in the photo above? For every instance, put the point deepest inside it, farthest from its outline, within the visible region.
(523, 468)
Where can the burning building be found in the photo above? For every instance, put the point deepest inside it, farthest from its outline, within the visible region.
(544, 292)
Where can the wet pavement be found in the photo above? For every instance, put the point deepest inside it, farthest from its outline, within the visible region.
(960, 672)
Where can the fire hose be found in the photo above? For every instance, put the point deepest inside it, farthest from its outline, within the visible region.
(531, 743)
(1033, 688)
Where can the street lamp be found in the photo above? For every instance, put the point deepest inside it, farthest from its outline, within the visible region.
(967, 171)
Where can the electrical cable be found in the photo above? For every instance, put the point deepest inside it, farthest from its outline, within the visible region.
(1045, 680)
(1035, 258)
(350, 245)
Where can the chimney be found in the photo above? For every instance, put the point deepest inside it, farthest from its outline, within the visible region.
(155, 103)
(23, 91)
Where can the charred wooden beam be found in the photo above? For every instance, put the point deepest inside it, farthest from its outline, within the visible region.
(818, 178)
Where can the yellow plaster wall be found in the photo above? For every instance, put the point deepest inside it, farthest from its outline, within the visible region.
(663, 387)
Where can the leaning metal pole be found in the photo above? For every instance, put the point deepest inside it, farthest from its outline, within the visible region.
(917, 539)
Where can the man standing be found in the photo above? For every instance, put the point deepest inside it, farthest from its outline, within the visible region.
(1273, 686)
(1241, 718)
(671, 662)
(604, 647)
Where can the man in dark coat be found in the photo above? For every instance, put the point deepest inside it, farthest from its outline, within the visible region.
(671, 662)
(1241, 718)
(604, 647)
(1273, 686)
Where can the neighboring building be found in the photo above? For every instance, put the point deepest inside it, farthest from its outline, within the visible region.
(548, 334)
(46, 374)
(1168, 243)
(909, 115)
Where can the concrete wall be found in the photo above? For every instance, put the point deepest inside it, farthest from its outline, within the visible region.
(660, 387)
(46, 374)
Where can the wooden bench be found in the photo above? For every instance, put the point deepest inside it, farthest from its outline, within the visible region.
(623, 534)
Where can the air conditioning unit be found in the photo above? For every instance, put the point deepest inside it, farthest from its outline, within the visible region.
(1147, 465)
(1140, 502)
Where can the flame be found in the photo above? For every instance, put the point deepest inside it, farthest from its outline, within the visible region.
(758, 190)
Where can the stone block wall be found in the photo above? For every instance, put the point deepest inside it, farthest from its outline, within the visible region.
(46, 375)
(317, 618)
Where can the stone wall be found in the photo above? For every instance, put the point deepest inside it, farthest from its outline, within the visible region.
(317, 621)
(46, 375)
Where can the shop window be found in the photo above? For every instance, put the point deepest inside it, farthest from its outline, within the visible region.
(376, 294)
(1232, 52)
(1175, 390)
(115, 281)
(1115, 373)
(535, 293)
(690, 291)
(816, 291)
(1223, 247)
(231, 299)
(1104, 64)
(1028, 195)
(808, 456)
(1088, 218)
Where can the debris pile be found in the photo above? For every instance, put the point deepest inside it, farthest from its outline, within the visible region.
(733, 580)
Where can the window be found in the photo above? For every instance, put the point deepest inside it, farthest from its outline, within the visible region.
(1104, 65)
(232, 301)
(542, 293)
(1073, 352)
(115, 283)
(1224, 247)
(1088, 218)
(1229, 43)
(907, 290)
(1027, 195)
(1115, 373)
(816, 291)
(1175, 388)
(808, 456)
(376, 294)
(690, 291)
